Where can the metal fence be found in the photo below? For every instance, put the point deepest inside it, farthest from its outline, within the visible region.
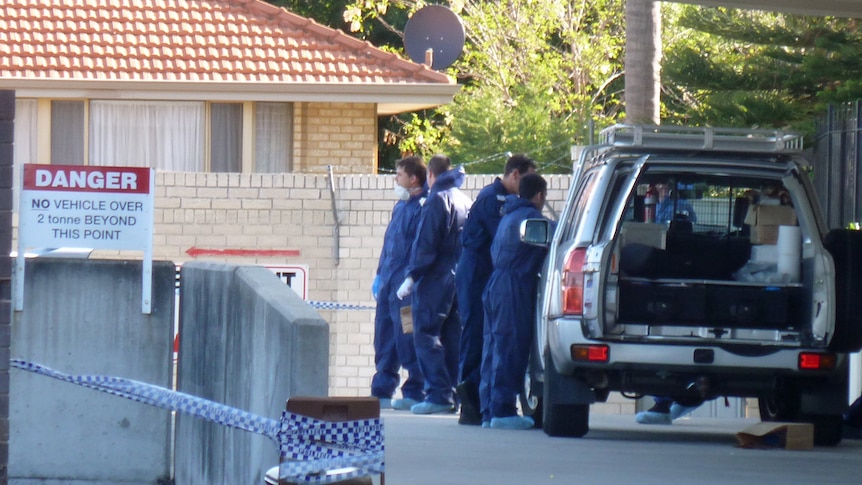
(837, 156)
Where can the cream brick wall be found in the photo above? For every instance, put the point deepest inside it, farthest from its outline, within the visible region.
(343, 135)
(294, 211)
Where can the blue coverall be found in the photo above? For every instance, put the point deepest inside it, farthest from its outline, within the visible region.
(665, 211)
(436, 324)
(510, 305)
(392, 347)
(474, 269)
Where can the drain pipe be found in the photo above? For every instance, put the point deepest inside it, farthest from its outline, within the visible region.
(336, 229)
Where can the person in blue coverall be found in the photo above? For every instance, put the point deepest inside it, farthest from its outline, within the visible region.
(393, 348)
(510, 305)
(436, 249)
(670, 208)
(471, 276)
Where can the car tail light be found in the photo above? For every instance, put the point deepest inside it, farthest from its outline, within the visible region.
(590, 353)
(573, 283)
(816, 361)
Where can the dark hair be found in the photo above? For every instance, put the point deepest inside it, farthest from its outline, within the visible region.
(521, 163)
(413, 166)
(532, 184)
(439, 164)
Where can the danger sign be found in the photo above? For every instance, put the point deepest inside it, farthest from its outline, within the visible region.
(86, 207)
(70, 206)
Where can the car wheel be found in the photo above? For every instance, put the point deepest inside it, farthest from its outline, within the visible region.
(568, 420)
(781, 406)
(828, 429)
(561, 419)
(531, 401)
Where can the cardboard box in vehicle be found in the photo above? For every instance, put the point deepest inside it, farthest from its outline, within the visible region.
(789, 436)
(765, 219)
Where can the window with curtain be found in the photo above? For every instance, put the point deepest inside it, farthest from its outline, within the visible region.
(161, 134)
(273, 141)
(67, 132)
(226, 137)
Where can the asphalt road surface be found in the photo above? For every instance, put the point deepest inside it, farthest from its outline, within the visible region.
(435, 450)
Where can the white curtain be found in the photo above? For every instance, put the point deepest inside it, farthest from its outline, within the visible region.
(25, 141)
(166, 135)
(273, 147)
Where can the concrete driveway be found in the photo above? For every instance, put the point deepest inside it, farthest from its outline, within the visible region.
(436, 450)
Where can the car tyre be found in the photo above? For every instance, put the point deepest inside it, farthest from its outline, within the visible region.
(561, 419)
(531, 401)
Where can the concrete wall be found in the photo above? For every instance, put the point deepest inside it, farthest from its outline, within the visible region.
(84, 317)
(249, 342)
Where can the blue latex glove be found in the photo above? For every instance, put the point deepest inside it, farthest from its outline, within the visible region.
(375, 287)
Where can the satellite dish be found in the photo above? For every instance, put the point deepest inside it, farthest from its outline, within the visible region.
(437, 32)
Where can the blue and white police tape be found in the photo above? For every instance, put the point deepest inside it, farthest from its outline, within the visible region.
(331, 305)
(313, 451)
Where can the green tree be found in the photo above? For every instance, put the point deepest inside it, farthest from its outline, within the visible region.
(332, 14)
(760, 69)
(534, 74)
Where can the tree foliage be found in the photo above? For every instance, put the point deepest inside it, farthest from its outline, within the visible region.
(534, 73)
(749, 68)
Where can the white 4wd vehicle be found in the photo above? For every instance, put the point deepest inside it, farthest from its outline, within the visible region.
(694, 262)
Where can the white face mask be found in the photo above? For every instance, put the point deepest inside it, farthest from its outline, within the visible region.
(401, 193)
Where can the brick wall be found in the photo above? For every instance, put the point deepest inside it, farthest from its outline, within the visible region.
(343, 135)
(294, 211)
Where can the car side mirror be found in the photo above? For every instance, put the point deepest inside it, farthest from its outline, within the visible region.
(536, 232)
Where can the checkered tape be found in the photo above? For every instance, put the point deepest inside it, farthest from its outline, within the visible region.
(331, 305)
(311, 448)
(355, 448)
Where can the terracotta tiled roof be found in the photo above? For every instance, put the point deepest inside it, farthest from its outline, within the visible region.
(188, 40)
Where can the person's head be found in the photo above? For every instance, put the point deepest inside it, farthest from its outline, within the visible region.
(410, 173)
(516, 167)
(533, 188)
(437, 165)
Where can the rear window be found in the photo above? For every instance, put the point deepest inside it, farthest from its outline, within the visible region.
(716, 206)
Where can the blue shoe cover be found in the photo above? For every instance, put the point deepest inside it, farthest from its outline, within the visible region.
(677, 410)
(404, 404)
(652, 417)
(513, 422)
(486, 424)
(431, 408)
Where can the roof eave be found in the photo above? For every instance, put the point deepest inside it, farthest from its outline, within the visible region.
(390, 98)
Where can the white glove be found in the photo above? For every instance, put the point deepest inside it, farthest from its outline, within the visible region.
(405, 289)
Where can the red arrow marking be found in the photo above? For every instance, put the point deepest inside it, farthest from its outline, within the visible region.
(195, 252)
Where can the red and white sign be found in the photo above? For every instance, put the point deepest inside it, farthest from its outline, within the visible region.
(71, 206)
(86, 207)
(293, 275)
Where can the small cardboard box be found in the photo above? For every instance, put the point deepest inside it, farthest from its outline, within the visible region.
(764, 235)
(789, 436)
(771, 215)
(765, 219)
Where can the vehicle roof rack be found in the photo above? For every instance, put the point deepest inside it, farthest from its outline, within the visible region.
(702, 138)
